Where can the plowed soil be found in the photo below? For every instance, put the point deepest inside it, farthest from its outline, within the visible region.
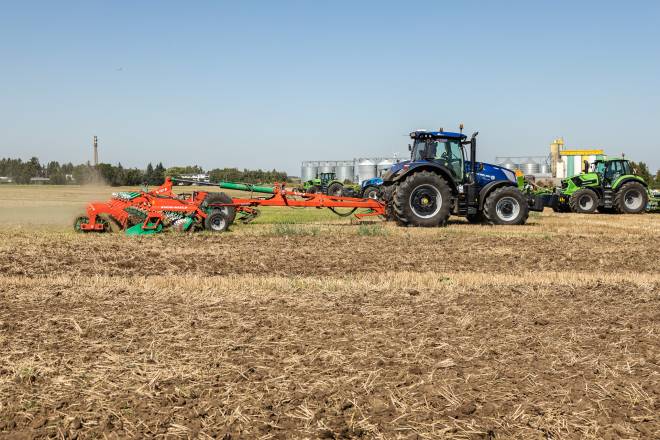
(334, 330)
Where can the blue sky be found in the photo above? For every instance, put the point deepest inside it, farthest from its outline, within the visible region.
(268, 84)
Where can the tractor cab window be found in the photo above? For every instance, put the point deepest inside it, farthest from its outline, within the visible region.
(599, 167)
(445, 151)
(625, 167)
(614, 170)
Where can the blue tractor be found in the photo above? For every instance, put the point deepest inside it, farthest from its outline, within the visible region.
(371, 188)
(443, 178)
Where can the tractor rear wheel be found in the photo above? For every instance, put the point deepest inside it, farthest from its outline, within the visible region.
(506, 206)
(631, 198)
(220, 197)
(216, 221)
(371, 192)
(335, 189)
(583, 201)
(423, 199)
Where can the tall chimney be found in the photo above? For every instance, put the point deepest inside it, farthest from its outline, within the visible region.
(96, 151)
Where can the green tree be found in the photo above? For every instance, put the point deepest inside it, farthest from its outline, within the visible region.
(642, 170)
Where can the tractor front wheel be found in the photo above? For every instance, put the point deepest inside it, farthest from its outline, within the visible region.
(423, 199)
(506, 206)
(631, 198)
(583, 201)
(371, 192)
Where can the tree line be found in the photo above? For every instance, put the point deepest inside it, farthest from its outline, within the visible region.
(116, 175)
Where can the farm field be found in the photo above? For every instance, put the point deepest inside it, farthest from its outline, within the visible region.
(304, 325)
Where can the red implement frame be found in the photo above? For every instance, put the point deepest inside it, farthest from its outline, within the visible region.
(295, 199)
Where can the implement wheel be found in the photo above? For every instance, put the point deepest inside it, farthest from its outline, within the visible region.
(631, 198)
(423, 199)
(79, 220)
(216, 221)
(230, 211)
(506, 206)
(583, 201)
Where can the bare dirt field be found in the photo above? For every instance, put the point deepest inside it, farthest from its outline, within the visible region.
(327, 329)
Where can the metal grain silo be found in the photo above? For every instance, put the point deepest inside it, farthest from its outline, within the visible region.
(326, 167)
(509, 164)
(383, 165)
(308, 171)
(530, 167)
(345, 170)
(366, 169)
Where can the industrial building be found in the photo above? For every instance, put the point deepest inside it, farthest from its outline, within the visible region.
(355, 170)
(561, 163)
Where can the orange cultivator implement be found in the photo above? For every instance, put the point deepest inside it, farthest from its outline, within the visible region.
(147, 212)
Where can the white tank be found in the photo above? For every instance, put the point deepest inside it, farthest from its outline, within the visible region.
(345, 171)
(544, 168)
(366, 169)
(308, 171)
(384, 165)
(326, 167)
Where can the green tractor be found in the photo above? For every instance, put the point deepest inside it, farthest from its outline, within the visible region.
(607, 185)
(327, 183)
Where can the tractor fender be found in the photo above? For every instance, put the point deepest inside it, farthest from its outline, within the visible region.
(625, 179)
(491, 186)
(434, 168)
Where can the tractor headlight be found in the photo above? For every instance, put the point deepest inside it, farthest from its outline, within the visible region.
(510, 175)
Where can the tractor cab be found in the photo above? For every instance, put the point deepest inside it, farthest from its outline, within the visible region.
(441, 147)
(611, 169)
(326, 178)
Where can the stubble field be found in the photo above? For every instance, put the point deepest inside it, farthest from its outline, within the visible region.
(320, 328)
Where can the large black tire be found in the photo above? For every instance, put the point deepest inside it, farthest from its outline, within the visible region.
(216, 221)
(423, 199)
(387, 193)
(631, 198)
(506, 206)
(335, 189)
(371, 192)
(220, 197)
(476, 218)
(313, 190)
(583, 201)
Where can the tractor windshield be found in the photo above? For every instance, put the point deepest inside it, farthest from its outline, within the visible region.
(599, 167)
(445, 151)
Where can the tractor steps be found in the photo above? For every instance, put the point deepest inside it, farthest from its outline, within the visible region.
(608, 198)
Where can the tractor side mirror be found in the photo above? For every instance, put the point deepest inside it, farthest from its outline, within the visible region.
(409, 147)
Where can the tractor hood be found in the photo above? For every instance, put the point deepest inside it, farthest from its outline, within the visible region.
(486, 172)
